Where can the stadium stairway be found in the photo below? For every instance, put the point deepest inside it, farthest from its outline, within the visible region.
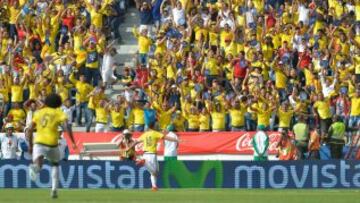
(125, 56)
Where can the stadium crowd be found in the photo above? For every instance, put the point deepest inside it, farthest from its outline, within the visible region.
(202, 65)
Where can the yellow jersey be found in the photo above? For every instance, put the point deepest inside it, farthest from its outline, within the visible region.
(285, 118)
(17, 93)
(193, 121)
(18, 114)
(101, 115)
(117, 118)
(237, 117)
(47, 121)
(218, 120)
(323, 108)
(355, 106)
(164, 118)
(150, 140)
(204, 120)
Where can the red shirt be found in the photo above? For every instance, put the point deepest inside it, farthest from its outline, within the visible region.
(305, 60)
(142, 76)
(240, 68)
(270, 21)
(68, 21)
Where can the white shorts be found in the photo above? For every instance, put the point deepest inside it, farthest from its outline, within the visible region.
(151, 162)
(100, 127)
(50, 153)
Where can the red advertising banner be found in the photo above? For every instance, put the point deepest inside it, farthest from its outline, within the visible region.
(192, 143)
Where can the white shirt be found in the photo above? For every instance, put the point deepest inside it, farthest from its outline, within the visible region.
(179, 16)
(304, 14)
(170, 148)
(9, 146)
(327, 90)
(69, 112)
(106, 68)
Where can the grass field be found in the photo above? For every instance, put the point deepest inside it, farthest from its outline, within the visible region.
(181, 196)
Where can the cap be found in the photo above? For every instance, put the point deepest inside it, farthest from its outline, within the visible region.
(126, 132)
(9, 125)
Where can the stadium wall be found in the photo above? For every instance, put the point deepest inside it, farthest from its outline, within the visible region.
(190, 174)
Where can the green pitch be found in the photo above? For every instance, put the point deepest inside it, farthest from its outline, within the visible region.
(181, 196)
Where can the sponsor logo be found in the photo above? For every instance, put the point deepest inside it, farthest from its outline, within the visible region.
(243, 143)
(196, 178)
(190, 174)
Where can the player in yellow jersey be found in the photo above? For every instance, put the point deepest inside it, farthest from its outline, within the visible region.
(45, 143)
(150, 139)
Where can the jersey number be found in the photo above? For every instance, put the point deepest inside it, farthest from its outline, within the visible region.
(44, 120)
(148, 141)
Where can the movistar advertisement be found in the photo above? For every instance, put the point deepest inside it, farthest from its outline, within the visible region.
(190, 174)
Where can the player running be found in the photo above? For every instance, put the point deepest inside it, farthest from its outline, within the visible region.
(45, 144)
(150, 139)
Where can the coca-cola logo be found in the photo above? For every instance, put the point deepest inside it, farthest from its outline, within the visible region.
(244, 142)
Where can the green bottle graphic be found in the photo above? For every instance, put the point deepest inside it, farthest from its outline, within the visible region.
(192, 179)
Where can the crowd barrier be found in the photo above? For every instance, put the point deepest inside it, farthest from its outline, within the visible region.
(190, 174)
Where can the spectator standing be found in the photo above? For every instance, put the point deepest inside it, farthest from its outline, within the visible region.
(354, 121)
(336, 137)
(171, 148)
(69, 110)
(301, 132)
(9, 143)
(83, 89)
(260, 143)
(321, 110)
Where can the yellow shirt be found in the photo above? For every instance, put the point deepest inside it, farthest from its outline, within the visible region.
(144, 43)
(323, 108)
(117, 118)
(280, 79)
(355, 106)
(285, 118)
(193, 121)
(101, 115)
(138, 116)
(150, 140)
(47, 121)
(18, 114)
(96, 18)
(237, 117)
(13, 13)
(204, 122)
(83, 90)
(5, 94)
(263, 117)
(218, 120)
(164, 118)
(17, 93)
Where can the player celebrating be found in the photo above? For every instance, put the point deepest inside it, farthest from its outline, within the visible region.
(45, 144)
(150, 139)
(127, 146)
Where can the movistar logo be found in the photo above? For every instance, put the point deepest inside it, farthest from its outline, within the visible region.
(207, 173)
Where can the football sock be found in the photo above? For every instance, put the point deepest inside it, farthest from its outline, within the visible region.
(153, 180)
(55, 177)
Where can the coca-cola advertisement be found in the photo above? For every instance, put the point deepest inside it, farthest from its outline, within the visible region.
(191, 142)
